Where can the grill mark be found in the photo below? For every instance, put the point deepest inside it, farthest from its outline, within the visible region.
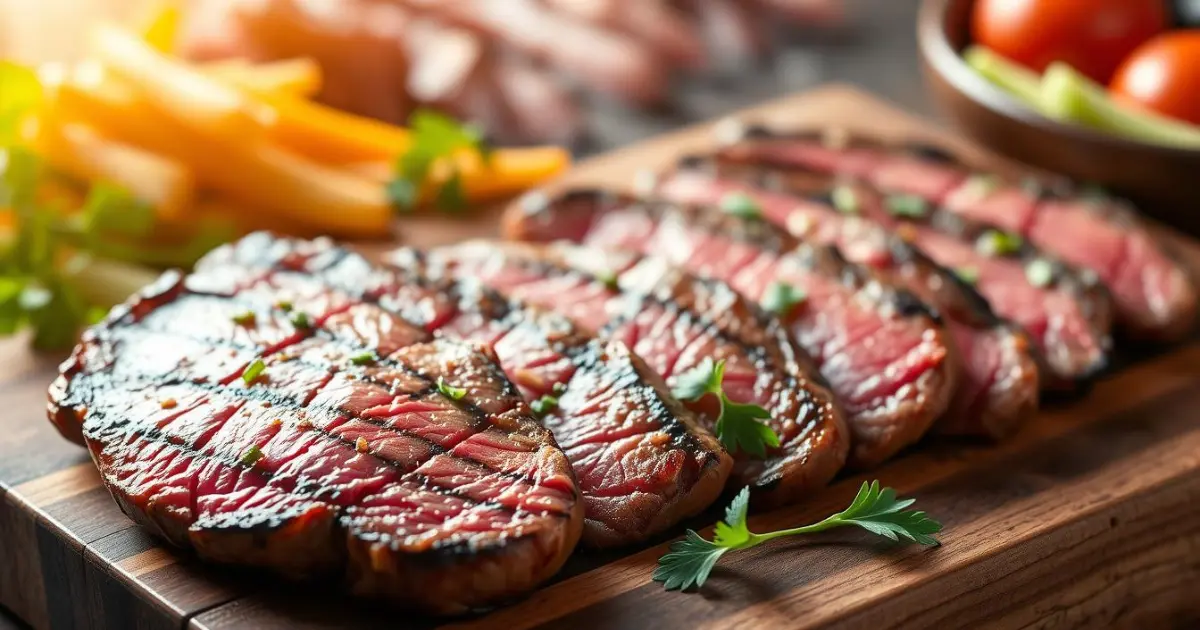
(479, 418)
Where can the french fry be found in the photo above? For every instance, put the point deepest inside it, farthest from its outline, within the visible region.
(300, 77)
(331, 135)
(80, 151)
(175, 87)
(274, 180)
(508, 172)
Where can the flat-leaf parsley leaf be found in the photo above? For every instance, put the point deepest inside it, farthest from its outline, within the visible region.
(739, 426)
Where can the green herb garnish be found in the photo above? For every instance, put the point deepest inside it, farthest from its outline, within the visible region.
(782, 298)
(437, 139)
(875, 509)
(253, 371)
(253, 454)
(247, 318)
(366, 358)
(1040, 272)
(559, 388)
(300, 320)
(544, 405)
(450, 391)
(998, 243)
(741, 205)
(969, 275)
(284, 306)
(906, 206)
(738, 426)
(845, 199)
(609, 280)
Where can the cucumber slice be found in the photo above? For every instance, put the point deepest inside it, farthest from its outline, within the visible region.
(1019, 81)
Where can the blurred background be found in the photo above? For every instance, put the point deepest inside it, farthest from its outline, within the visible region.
(591, 74)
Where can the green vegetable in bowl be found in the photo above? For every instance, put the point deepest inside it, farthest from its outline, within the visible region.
(1064, 94)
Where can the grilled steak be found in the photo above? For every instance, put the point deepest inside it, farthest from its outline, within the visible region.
(642, 461)
(1067, 316)
(675, 321)
(1153, 293)
(317, 464)
(886, 359)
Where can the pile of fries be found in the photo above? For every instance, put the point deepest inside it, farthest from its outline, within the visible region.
(241, 142)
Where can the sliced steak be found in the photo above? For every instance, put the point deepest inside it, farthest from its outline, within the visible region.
(675, 321)
(642, 460)
(441, 501)
(884, 355)
(1154, 295)
(1068, 316)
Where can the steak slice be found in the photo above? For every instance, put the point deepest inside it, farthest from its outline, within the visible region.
(441, 498)
(1153, 293)
(675, 321)
(1068, 316)
(642, 460)
(884, 355)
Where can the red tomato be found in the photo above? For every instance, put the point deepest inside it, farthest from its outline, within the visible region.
(1163, 75)
(1093, 36)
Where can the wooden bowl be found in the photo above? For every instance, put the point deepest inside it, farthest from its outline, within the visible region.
(1162, 180)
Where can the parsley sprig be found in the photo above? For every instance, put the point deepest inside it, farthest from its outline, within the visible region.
(875, 509)
(738, 426)
(437, 140)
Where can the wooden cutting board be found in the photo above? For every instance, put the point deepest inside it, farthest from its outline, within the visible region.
(1088, 518)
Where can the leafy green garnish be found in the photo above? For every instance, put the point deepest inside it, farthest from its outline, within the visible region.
(738, 426)
(245, 319)
(875, 509)
(998, 243)
(365, 358)
(1040, 272)
(300, 320)
(782, 298)
(544, 405)
(252, 455)
(253, 371)
(609, 279)
(969, 275)
(741, 205)
(906, 206)
(450, 391)
(436, 140)
(845, 199)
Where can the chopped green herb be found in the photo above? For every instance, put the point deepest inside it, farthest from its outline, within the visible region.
(741, 205)
(253, 371)
(609, 280)
(559, 388)
(845, 199)
(782, 298)
(436, 139)
(365, 358)
(247, 318)
(998, 243)
(450, 391)
(284, 306)
(1040, 272)
(980, 185)
(875, 509)
(253, 454)
(544, 405)
(738, 426)
(907, 206)
(300, 320)
(969, 275)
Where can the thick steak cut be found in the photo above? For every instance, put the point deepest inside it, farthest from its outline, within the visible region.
(319, 465)
(999, 384)
(1068, 316)
(1153, 293)
(642, 460)
(675, 321)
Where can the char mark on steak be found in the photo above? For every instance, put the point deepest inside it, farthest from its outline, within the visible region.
(880, 349)
(676, 321)
(263, 441)
(642, 460)
(1067, 315)
(1153, 292)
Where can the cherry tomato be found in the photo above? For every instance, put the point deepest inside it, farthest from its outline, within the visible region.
(1093, 36)
(1163, 75)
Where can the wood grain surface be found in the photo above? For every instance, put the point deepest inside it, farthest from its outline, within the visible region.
(1089, 518)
